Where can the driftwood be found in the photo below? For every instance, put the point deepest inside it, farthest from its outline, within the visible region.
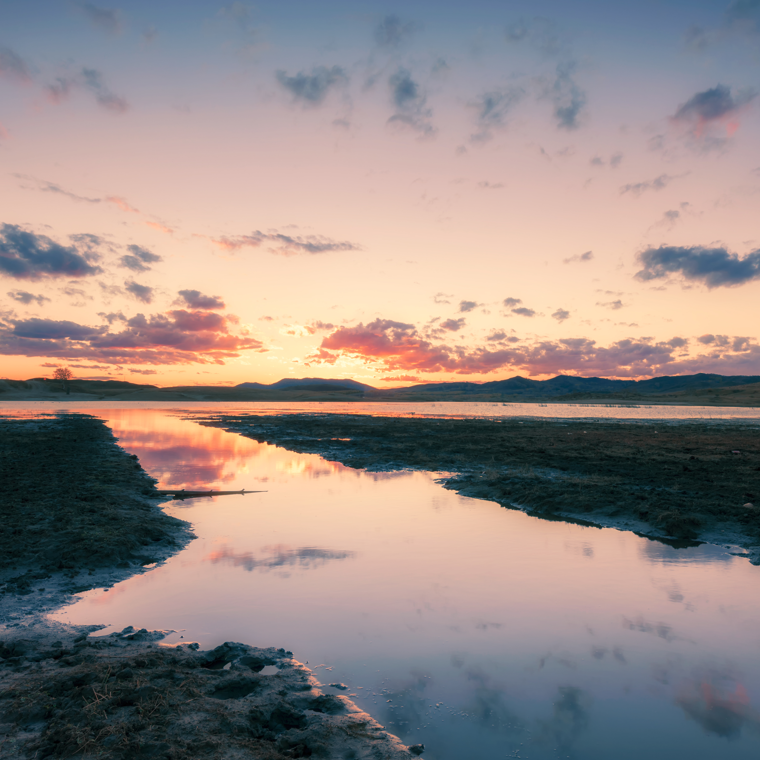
(184, 494)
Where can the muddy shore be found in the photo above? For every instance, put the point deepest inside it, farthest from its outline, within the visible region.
(678, 482)
(78, 512)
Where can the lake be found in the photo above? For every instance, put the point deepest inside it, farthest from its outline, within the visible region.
(479, 631)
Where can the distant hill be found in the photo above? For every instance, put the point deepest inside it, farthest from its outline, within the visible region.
(700, 389)
(308, 383)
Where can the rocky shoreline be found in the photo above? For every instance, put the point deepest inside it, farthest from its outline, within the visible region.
(78, 512)
(677, 482)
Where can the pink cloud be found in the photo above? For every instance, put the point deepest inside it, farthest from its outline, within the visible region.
(398, 347)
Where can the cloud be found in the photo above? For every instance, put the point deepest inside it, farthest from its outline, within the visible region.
(50, 329)
(492, 111)
(196, 300)
(312, 88)
(410, 103)
(26, 298)
(138, 259)
(391, 346)
(442, 297)
(391, 32)
(13, 66)
(497, 335)
(561, 315)
(579, 257)
(453, 325)
(51, 187)
(175, 337)
(511, 302)
(522, 311)
(658, 183)
(28, 256)
(142, 293)
(93, 80)
(713, 267)
(285, 245)
(568, 98)
(490, 185)
(716, 106)
(105, 19)
(89, 79)
(613, 305)
(465, 306)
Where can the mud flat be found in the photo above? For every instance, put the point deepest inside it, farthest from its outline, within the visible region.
(679, 482)
(78, 512)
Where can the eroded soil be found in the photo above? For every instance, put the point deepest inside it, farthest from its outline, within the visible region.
(123, 697)
(679, 481)
(75, 503)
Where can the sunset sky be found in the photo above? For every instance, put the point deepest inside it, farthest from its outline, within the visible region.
(200, 193)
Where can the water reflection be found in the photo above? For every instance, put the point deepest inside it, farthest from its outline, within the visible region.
(305, 558)
(492, 633)
(718, 711)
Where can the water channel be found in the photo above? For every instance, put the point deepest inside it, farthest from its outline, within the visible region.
(479, 631)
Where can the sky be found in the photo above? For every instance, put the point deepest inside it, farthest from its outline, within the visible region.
(205, 193)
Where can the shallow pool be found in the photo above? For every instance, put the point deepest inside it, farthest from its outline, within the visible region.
(478, 631)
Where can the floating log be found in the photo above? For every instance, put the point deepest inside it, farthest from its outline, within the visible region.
(184, 494)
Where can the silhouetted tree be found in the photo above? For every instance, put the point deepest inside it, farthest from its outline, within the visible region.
(64, 374)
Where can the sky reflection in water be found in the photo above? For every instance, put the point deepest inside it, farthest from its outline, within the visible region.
(482, 632)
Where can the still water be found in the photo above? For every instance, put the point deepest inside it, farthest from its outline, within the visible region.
(479, 631)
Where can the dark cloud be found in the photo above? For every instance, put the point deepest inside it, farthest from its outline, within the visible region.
(614, 305)
(410, 103)
(579, 257)
(50, 329)
(522, 311)
(93, 81)
(713, 267)
(312, 88)
(105, 19)
(561, 315)
(13, 66)
(391, 32)
(658, 183)
(196, 300)
(510, 303)
(716, 105)
(568, 98)
(286, 245)
(26, 298)
(176, 337)
(497, 335)
(28, 256)
(465, 306)
(453, 325)
(492, 111)
(114, 316)
(142, 293)
(138, 259)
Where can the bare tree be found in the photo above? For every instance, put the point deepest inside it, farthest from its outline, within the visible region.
(64, 374)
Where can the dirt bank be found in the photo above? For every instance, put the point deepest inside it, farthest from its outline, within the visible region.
(76, 512)
(124, 696)
(676, 481)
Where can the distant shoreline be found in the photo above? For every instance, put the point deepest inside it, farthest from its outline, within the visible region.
(694, 390)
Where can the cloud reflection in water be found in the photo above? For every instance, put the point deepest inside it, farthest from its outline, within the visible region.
(277, 556)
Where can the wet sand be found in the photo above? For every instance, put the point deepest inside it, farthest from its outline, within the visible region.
(679, 482)
(78, 512)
